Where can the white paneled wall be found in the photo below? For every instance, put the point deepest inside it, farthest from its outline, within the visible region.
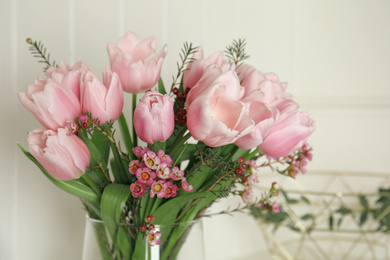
(335, 54)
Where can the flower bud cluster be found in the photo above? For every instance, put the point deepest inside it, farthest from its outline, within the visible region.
(246, 172)
(156, 175)
(181, 112)
(152, 235)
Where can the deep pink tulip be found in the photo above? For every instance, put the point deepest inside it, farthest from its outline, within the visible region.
(154, 117)
(65, 157)
(197, 68)
(136, 62)
(51, 103)
(214, 114)
(103, 100)
(290, 132)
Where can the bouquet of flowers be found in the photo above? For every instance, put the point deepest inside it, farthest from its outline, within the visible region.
(204, 138)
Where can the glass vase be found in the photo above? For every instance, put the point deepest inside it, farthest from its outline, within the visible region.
(179, 241)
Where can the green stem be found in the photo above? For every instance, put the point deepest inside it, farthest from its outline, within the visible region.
(251, 155)
(123, 126)
(156, 204)
(156, 146)
(134, 105)
(179, 143)
(92, 184)
(121, 175)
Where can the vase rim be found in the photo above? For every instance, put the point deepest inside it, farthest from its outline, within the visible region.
(99, 221)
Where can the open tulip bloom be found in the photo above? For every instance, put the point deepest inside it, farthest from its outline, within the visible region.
(240, 120)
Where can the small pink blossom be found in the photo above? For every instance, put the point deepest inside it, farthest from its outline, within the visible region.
(83, 118)
(275, 207)
(253, 179)
(137, 189)
(145, 175)
(247, 194)
(170, 190)
(185, 186)
(157, 188)
(134, 166)
(165, 158)
(151, 160)
(139, 152)
(163, 171)
(154, 237)
(176, 174)
(71, 128)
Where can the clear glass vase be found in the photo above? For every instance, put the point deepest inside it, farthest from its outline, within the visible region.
(179, 241)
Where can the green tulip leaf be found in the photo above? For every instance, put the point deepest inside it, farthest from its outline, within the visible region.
(74, 187)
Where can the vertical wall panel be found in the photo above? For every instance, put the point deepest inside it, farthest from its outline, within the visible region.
(6, 133)
(96, 24)
(342, 48)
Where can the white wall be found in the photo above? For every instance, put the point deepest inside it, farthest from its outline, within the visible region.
(334, 53)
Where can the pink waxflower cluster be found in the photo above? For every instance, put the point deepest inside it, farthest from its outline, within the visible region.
(299, 160)
(152, 235)
(241, 105)
(156, 175)
(247, 173)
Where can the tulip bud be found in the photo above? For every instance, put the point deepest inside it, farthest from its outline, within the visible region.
(63, 156)
(154, 117)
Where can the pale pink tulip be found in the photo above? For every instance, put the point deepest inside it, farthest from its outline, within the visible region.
(68, 76)
(264, 118)
(197, 68)
(290, 132)
(136, 62)
(51, 103)
(65, 157)
(261, 87)
(154, 117)
(214, 114)
(103, 100)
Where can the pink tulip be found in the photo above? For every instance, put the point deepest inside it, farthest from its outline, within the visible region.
(68, 76)
(214, 114)
(103, 100)
(136, 62)
(261, 87)
(51, 103)
(63, 156)
(264, 118)
(154, 117)
(197, 68)
(290, 132)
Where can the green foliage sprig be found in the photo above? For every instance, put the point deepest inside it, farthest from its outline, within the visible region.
(185, 59)
(236, 52)
(39, 51)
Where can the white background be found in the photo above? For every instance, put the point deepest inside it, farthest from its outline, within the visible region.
(335, 54)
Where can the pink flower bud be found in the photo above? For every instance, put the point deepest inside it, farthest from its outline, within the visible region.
(63, 156)
(154, 117)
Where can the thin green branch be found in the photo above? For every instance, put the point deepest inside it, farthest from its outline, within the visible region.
(39, 51)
